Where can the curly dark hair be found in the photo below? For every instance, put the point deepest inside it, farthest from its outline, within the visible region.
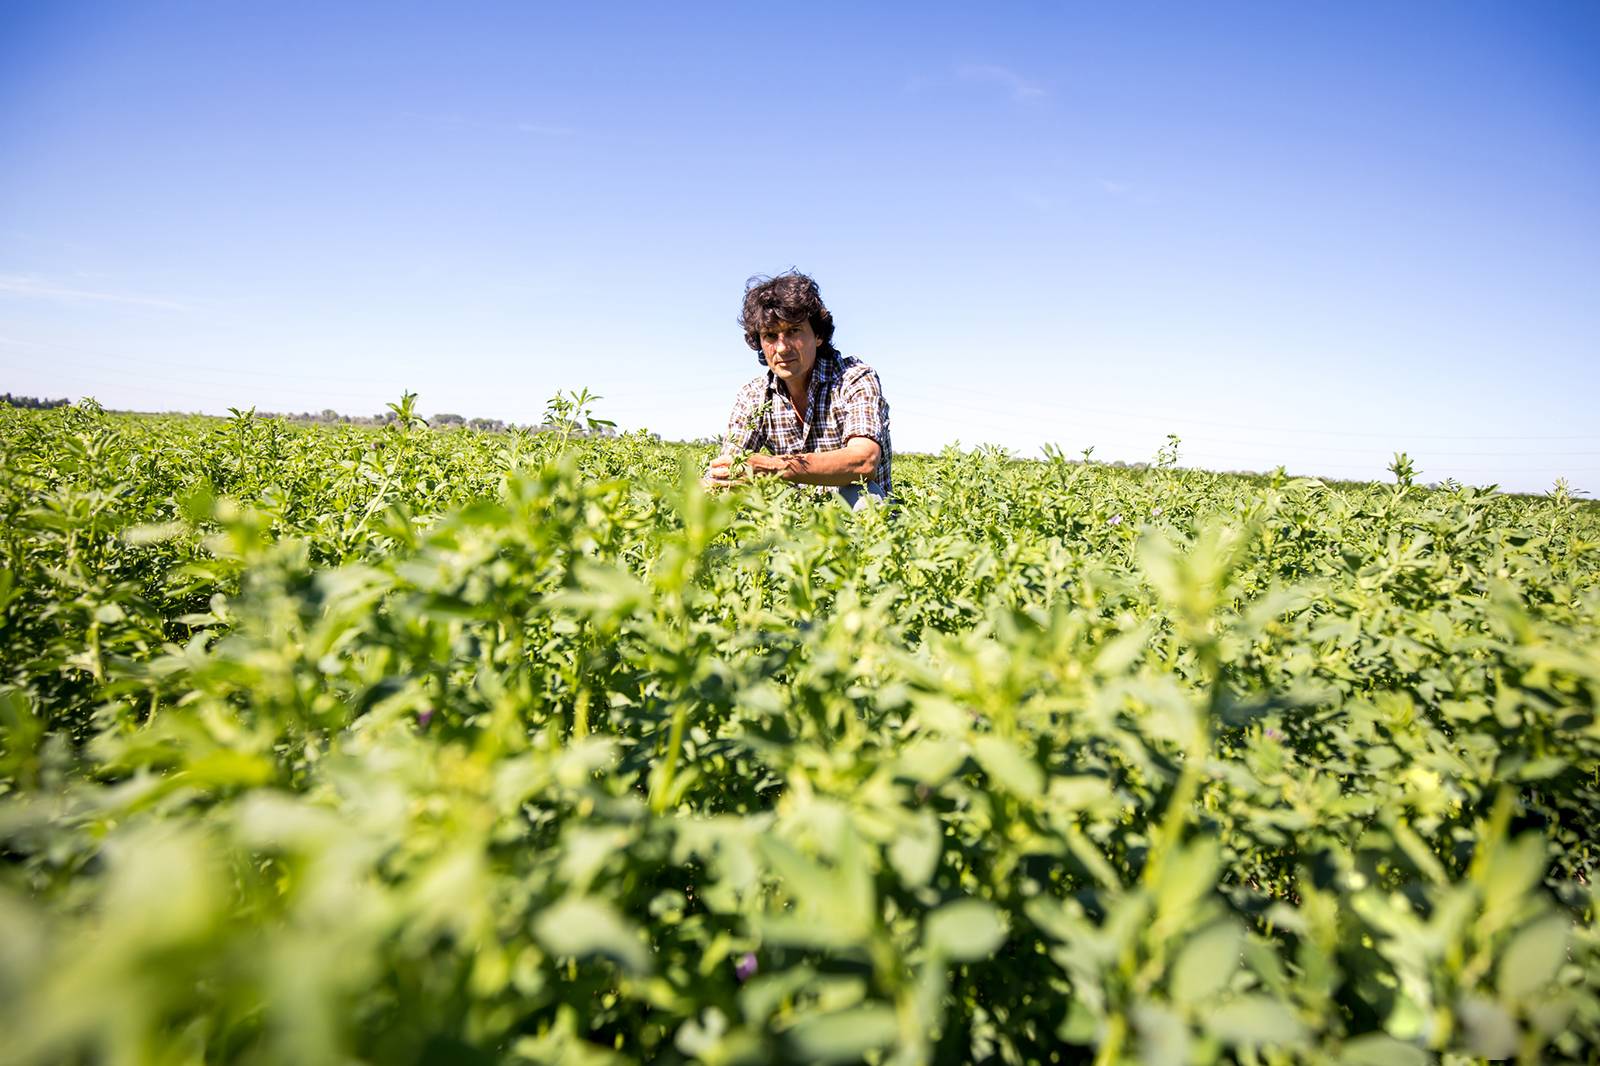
(789, 297)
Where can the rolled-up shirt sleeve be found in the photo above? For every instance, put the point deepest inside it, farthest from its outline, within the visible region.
(865, 414)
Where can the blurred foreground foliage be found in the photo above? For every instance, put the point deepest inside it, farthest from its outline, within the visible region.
(333, 745)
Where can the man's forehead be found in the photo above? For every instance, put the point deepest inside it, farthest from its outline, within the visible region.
(782, 325)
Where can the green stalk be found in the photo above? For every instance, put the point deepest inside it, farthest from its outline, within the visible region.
(1177, 813)
(94, 647)
(669, 767)
(580, 713)
(1111, 1048)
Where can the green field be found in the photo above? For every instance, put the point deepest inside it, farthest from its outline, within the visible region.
(403, 746)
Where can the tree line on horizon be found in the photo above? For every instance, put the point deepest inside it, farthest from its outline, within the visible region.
(327, 416)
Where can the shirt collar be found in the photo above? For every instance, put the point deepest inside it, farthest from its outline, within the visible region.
(823, 372)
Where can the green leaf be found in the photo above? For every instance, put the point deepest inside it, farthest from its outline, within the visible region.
(930, 761)
(1513, 874)
(1254, 1021)
(1207, 962)
(1080, 1025)
(940, 714)
(844, 1036)
(1542, 768)
(153, 533)
(604, 593)
(1117, 655)
(1007, 767)
(1488, 1028)
(19, 723)
(1376, 1049)
(580, 927)
(1533, 957)
(1076, 793)
(807, 882)
(1190, 875)
(1163, 1036)
(914, 852)
(1551, 1014)
(228, 767)
(965, 930)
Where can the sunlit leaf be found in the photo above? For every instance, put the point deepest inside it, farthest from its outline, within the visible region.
(965, 930)
(1206, 962)
(581, 927)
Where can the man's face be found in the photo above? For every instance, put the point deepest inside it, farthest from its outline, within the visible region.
(790, 349)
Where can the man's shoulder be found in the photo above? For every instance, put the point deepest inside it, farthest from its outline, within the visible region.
(752, 389)
(853, 371)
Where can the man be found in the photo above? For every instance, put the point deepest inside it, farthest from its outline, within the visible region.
(821, 414)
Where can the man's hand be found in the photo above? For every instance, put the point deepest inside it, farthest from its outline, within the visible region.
(725, 471)
(839, 466)
(722, 472)
(836, 466)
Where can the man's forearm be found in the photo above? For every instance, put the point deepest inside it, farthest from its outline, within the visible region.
(838, 466)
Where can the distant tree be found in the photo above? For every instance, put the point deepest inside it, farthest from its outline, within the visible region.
(328, 416)
(32, 403)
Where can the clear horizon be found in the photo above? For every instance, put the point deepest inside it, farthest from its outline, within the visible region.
(1307, 237)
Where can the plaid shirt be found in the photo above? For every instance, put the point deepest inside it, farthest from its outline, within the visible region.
(843, 400)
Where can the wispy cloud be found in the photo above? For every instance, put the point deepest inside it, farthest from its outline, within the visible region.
(34, 288)
(1019, 87)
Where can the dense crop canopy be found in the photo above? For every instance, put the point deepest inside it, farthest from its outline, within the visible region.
(413, 746)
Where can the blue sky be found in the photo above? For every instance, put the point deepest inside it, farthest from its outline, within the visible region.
(1308, 234)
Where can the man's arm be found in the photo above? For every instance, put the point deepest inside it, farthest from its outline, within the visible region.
(744, 428)
(858, 459)
(744, 434)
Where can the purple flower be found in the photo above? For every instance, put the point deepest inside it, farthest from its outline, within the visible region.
(1272, 735)
(1114, 520)
(1156, 513)
(746, 967)
(424, 717)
